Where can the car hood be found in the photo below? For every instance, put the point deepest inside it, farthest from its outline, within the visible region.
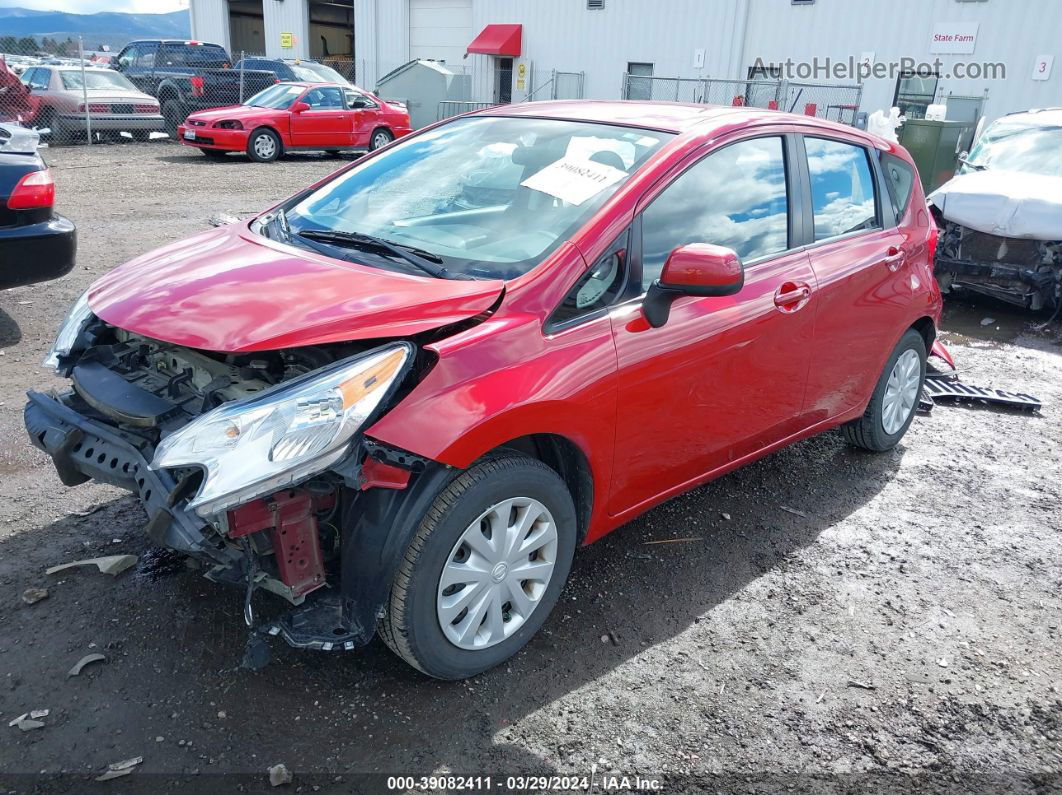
(232, 112)
(1003, 203)
(230, 290)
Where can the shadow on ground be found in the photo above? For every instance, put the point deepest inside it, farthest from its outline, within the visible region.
(174, 640)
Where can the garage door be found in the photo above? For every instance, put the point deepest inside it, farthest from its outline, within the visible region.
(440, 29)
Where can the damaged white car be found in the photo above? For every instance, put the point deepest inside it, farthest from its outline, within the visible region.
(1001, 215)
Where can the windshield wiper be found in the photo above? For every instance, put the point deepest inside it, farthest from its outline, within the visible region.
(415, 257)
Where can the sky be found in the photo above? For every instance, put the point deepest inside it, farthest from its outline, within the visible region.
(93, 6)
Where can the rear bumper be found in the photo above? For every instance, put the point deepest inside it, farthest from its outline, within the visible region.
(36, 252)
(213, 138)
(114, 123)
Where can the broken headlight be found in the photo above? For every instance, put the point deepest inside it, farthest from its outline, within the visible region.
(73, 324)
(255, 446)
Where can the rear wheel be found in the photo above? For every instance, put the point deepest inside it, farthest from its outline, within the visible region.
(892, 406)
(173, 113)
(380, 138)
(263, 145)
(484, 570)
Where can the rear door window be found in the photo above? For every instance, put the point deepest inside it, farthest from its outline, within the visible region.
(900, 178)
(842, 188)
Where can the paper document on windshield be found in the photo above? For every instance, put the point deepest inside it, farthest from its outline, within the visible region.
(574, 180)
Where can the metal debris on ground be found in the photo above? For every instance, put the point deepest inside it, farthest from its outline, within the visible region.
(118, 769)
(33, 595)
(988, 321)
(279, 774)
(112, 564)
(861, 685)
(793, 511)
(28, 721)
(942, 387)
(87, 659)
(223, 219)
(675, 540)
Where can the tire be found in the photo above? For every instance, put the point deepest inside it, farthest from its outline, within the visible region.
(380, 137)
(880, 429)
(412, 626)
(263, 145)
(173, 113)
(214, 154)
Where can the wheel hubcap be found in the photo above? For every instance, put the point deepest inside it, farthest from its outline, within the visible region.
(901, 391)
(379, 140)
(497, 573)
(264, 146)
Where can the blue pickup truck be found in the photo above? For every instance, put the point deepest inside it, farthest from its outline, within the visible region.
(186, 76)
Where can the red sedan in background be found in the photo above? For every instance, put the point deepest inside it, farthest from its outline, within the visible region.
(297, 116)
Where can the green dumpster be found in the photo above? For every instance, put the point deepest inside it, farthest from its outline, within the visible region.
(935, 147)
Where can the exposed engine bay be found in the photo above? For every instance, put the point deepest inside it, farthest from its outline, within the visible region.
(1020, 271)
(131, 397)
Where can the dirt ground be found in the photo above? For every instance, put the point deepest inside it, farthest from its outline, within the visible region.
(898, 628)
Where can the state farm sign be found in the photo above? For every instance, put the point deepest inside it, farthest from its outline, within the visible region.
(954, 37)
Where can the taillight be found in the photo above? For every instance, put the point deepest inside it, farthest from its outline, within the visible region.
(197, 86)
(95, 107)
(934, 238)
(145, 108)
(34, 191)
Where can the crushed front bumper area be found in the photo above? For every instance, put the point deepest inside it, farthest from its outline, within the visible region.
(83, 449)
(332, 554)
(1026, 273)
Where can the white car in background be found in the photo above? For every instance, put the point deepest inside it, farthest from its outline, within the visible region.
(114, 104)
(1001, 215)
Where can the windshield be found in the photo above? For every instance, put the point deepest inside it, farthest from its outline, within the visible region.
(317, 73)
(108, 79)
(277, 97)
(1010, 146)
(488, 197)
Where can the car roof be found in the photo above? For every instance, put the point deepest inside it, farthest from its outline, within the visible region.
(1044, 116)
(676, 117)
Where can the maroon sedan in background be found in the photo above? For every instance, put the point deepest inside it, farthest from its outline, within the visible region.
(297, 116)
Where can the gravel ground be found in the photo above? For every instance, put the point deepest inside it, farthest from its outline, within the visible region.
(899, 627)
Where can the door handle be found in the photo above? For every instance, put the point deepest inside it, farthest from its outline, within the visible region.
(894, 258)
(792, 296)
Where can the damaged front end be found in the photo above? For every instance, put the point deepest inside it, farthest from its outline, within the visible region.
(1019, 271)
(253, 465)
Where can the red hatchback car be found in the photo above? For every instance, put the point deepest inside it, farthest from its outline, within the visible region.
(403, 397)
(297, 116)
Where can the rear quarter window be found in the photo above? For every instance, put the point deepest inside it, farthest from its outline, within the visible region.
(900, 177)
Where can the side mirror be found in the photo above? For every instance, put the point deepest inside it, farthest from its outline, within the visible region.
(299, 107)
(695, 269)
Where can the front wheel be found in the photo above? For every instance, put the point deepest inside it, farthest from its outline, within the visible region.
(263, 146)
(892, 406)
(484, 570)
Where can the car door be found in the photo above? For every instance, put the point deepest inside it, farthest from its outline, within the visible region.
(859, 262)
(324, 123)
(724, 377)
(364, 116)
(128, 64)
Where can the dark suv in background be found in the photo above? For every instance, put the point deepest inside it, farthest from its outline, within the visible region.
(186, 76)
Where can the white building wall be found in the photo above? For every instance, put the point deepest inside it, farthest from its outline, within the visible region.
(291, 17)
(1014, 32)
(210, 21)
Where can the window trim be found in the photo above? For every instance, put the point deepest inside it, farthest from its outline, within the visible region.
(809, 201)
(796, 208)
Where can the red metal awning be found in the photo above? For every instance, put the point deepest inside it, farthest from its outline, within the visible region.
(497, 40)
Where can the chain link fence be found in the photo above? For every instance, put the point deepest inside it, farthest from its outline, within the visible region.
(836, 102)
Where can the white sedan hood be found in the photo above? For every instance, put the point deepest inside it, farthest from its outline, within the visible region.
(1003, 203)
